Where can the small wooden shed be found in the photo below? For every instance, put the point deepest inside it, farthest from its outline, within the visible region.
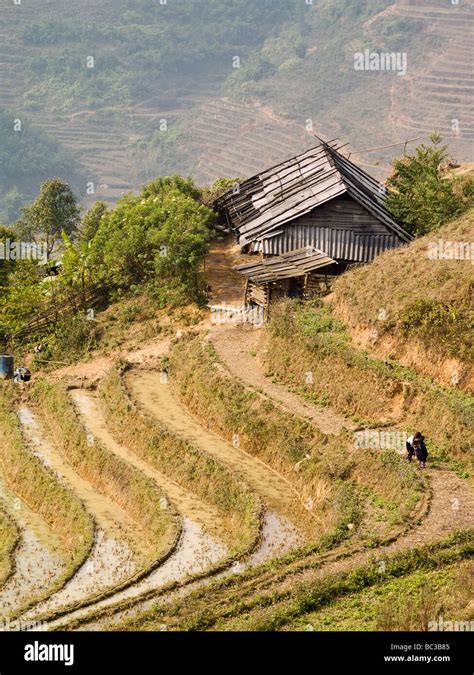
(305, 221)
(293, 274)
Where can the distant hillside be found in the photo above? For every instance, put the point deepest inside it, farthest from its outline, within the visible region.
(27, 158)
(138, 89)
(415, 308)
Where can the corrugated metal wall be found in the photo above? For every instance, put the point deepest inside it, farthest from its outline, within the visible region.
(336, 243)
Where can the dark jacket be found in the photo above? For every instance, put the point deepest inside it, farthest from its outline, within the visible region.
(421, 452)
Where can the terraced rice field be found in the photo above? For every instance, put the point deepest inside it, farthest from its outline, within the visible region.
(228, 138)
(439, 97)
(118, 582)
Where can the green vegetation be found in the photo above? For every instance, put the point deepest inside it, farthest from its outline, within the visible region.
(197, 472)
(157, 240)
(454, 550)
(91, 221)
(422, 195)
(151, 245)
(406, 603)
(36, 486)
(142, 34)
(53, 212)
(432, 594)
(437, 323)
(113, 56)
(217, 189)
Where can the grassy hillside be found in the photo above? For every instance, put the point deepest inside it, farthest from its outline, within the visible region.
(415, 308)
(302, 340)
(383, 606)
(360, 599)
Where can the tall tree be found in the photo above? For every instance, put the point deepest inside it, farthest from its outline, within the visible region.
(422, 195)
(91, 221)
(54, 211)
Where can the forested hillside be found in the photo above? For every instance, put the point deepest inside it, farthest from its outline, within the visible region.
(139, 89)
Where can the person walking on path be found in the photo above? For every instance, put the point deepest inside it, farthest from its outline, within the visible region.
(416, 447)
(421, 452)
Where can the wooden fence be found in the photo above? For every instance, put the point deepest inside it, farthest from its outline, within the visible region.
(41, 324)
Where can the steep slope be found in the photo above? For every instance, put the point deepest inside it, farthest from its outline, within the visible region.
(409, 305)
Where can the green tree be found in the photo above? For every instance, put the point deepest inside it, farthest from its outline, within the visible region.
(77, 267)
(91, 221)
(157, 239)
(422, 195)
(185, 186)
(25, 296)
(54, 211)
(219, 188)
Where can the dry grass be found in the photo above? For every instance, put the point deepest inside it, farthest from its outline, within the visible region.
(8, 542)
(334, 471)
(189, 467)
(298, 341)
(110, 475)
(421, 308)
(38, 488)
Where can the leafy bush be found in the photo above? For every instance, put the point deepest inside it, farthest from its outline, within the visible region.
(157, 240)
(322, 321)
(422, 196)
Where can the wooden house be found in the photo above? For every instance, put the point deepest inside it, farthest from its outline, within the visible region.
(305, 221)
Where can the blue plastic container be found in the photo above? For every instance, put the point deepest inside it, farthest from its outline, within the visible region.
(6, 367)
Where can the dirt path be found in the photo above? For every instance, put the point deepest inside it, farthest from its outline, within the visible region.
(226, 286)
(97, 368)
(158, 399)
(235, 346)
(185, 502)
(38, 563)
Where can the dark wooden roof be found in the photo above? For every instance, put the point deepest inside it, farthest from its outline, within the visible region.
(294, 264)
(299, 185)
